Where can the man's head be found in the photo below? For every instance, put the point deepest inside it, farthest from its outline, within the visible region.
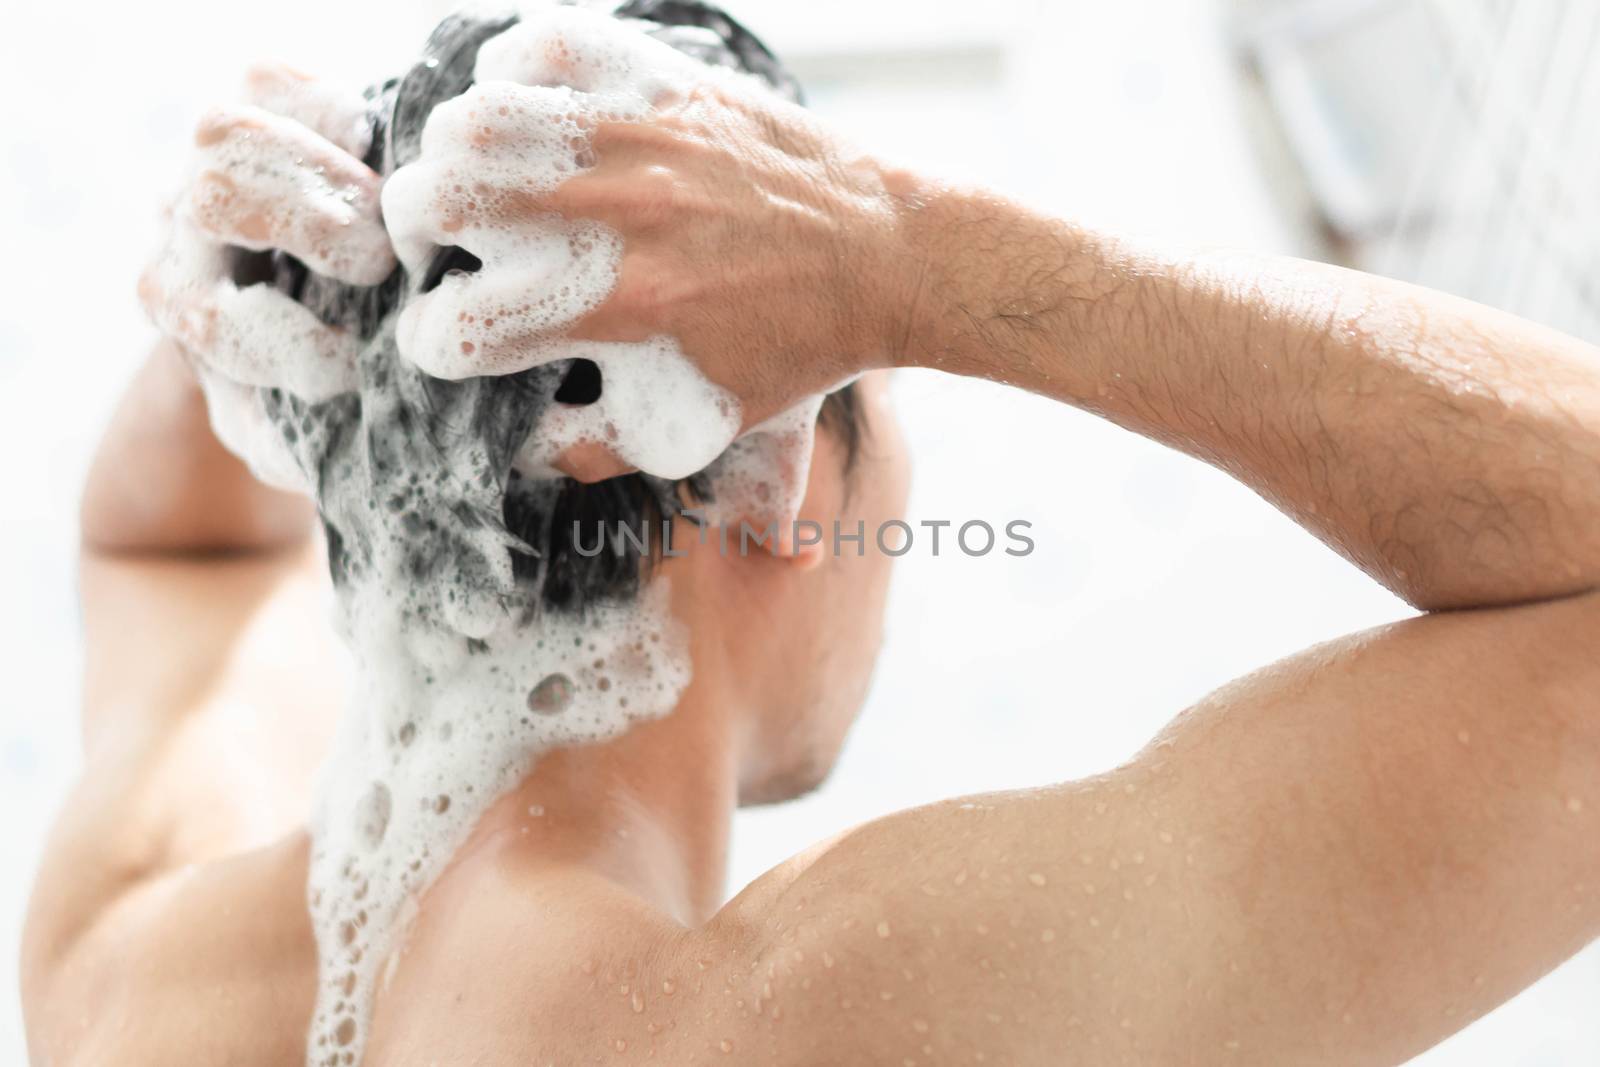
(796, 636)
(790, 639)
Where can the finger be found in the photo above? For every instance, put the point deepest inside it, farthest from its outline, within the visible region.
(656, 411)
(510, 315)
(254, 336)
(487, 155)
(655, 414)
(588, 51)
(591, 462)
(338, 114)
(265, 181)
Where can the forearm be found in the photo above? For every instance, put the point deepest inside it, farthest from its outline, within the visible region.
(162, 483)
(1450, 450)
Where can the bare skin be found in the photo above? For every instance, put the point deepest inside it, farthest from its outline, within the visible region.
(1340, 859)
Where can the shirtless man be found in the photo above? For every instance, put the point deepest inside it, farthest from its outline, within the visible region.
(1340, 859)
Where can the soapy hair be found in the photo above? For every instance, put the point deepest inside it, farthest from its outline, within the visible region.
(433, 456)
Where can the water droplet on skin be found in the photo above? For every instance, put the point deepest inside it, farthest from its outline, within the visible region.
(1166, 838)
(726, 1046)
(919, 1025)
(638, 1003)
(536, 810)
(883, 928)
(1574, 804)
(620, 1045)
(827, 959)
(668, 987)
(1047, 936)
(1038, 879)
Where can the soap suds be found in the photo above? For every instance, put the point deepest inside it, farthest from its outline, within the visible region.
(486, 156)
(418, 407)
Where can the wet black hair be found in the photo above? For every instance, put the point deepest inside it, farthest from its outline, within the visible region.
(433, 458)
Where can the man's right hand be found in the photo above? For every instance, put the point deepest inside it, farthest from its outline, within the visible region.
(732, 221)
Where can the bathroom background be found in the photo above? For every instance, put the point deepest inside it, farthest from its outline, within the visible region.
(1451, 141)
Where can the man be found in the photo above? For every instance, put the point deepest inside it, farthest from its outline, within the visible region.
(1340, 859)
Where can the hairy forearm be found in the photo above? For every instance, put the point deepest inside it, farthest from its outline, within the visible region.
(162, 483)
(1450, 450)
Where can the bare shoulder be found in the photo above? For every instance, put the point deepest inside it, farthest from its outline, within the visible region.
(212, 963)
(1264, 877)
(206, 700)
(976, 930)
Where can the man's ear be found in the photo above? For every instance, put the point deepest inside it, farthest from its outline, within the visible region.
(803, 552)
(803, 558)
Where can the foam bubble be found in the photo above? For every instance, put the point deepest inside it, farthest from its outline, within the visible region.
(762, 476)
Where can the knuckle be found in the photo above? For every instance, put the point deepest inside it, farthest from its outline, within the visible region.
(267, 76)
(218, 124)
(654, 197)
(642, 294)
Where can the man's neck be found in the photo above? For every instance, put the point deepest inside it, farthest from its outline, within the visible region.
(649, 811)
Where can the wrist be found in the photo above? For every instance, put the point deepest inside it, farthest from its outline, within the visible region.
(984, 286)
(912, 284)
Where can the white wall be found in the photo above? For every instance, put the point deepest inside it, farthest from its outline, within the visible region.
(1155, 578)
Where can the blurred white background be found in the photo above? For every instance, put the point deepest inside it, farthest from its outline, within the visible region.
(1155, 578)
